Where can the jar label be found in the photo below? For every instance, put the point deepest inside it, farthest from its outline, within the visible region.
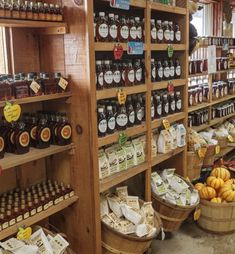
(12, 222)
(172, 71)
(2, 144)
(160, 72)
(45, 134)
(159, 109)
(167, 34)
(153, 72)
(166, 72)
(172, 106)
(24, 139)
(131, 76)
(132, 117)
(102, 126)
(190, 100)
(178, 71)
(39, 209)
(113, 31)
(108, 77)
(178, 36)
(122, 120)
(166, 108)
(101, 79)
(66, 196)
(33, 212)
(103, 30)
(35, 87)
(152, 111)
(139, 115)
(160, 35)
(63, 83)
(139, 32)
(172, 35)
(66, 132)
(26, 215)
(45, 207)
(117, 77)
(133, 33)
(178, 104)
(124, 32)
(138, 74)
(5, 225)
(154, 33)
(111, 123)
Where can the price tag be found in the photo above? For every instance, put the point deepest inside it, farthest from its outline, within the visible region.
(118, 51)
(166, 124)
(135, 48)
(11, 112)
(170, 51)
(120, 4)
(24, 234)
(230, 138)
(217, 149)
(197, 214)
(122, 139)
(170, 87)
(35, 87)
(201, 152)
(63, 83)
(121, 96)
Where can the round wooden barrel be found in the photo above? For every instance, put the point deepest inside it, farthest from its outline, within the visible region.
(114, 242)
(217, 218)
(210, 155)
(195, 165)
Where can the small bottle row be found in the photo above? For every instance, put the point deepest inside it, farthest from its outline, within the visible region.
(30, 10)
(165, 69)
(112, 116)
(114, 28)
(223, 109)
(217, 41)
(119, 73)
(164, 103)
(18, 204)
(36, 130)
(198, 117)
(165, 32)
(33, 84)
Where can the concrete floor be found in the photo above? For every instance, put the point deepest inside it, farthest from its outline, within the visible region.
(192, 240)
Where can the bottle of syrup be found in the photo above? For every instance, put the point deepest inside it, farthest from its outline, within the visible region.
(121, 118)
(130, 112)
(111, 122)
(32, 128)
(102, 29)
(138, 110)
(102, 122)
(112, 28)
(21, 139)
(43, 133)
(64, 131)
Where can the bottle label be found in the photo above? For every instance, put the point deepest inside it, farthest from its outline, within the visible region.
(71, 193)
(33, 133)
(172, 35)
(139, 114)
(63, 83)
(103, 30)
(166, 72)
(167, 34)
(200, 97)
(39, 209)
(139, 32)
(138, 74)
(190, 100)
(111, 123)
(66, 132)
(12, 222)
(2, 144)
(132, 117)
(5, 225)
(178, 36)
(33, 212)
(122, 120)
(160, 72)
(101, 79)
(166, 108)
(117, 77)
(179, 104)
(19, 218)
(124, 32)
(113, 31)
(131, 76)
(108, 77)
(172, 71)
(24, 139)
(45, 207)
(152, 111)
(159, 109)
(26, 215)
(173, 106)
(45, 134)
(178, 71)
(153, 72)
(133, 32)
(154, 33)
(66, 196)
(160, 34)
(102, 126)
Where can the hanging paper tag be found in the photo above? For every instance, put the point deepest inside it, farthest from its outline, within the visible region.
(121, 97)
(201, 152)
(197, 213)
(166, 124)
(122, 139)
(24, 234)
(11, 112)
(170, 87)
(117, 51)
(217, 149)
(135, 48)
(63, 83)
(120, 4)
(170, 51)
(35, 87)
(230, 138)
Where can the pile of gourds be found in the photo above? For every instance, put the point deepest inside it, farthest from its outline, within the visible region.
(219, 186)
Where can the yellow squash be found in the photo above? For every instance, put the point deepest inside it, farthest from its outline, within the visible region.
(227, 193)
(221, 172)
(215, 182)
(216, 200)
(207, 193)
(199, 186)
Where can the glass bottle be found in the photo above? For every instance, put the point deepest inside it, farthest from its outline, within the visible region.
(153, 70)
(15, 9)
(116, 75)
(159, 71)
(59, 12)
(64, 131)
(21, 139)
(130, 112)
(10, 218)
(43, 134)
(177, 69)
(20, 87)
(166, 32)
(165, 105)
(47, 11)
(121, 118)
(35, 11)
(159, 31)
(41, 12)
(112, 28)
(3, 221)
(123, 30)
(29, 11)
(23, 10)
(53, 12)
(138, 110)
(171, 69)
(172, 32)
(166, 70)
(177, 33)
(153, 31)
(130, 74)
(102, 29)
(133, 30)
(111, 122)
(7, 9)
(138, 72)
(108, 74)
(172, 104)
(178, 101)
(139, 32)
(102, 122)
(152, 109)
(2, 9)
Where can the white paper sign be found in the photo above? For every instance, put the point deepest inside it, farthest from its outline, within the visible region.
(211, 53)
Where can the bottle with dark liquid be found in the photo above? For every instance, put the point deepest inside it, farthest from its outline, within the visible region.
(43, 134)
(21, 139)
(102, 122)
(102, 30)
(130, 112)
(64, 131)
(121, 118)
(111, 122)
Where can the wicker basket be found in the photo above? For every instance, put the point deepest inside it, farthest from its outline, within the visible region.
(194, 165)
(114, 242)
(210, 155)
(172, 215)
(222, 142)
(217, 218)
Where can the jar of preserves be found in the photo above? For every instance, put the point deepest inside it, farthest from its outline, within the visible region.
(20, 87)
(199, 66)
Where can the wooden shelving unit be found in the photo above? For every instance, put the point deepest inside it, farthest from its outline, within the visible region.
(164, 84)
(171, 118)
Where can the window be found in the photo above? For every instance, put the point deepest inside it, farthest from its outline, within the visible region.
(3, 53)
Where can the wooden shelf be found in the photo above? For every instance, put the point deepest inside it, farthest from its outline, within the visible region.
(223, 99)
(167, 8)
(115, 179)
(224, 152)
(109, 46)
(30, 23)
(38, 98)
(37, 217)
(113, 138)
(163, 157)
(112, 92)
(218, 120)
(138, 3)
(198, 74)
(163, 84)
(163, 47)
(171, 118)
(12, 160)
(199, 106)
(200, 127)
(224, 71)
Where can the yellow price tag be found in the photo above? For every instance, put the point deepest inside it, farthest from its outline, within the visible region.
(11, 112)
(121, 96)
(187, 179)
(201, 152)
(63, 83)
(217, 149)
(24, 234)
(197, 214)
(166, 124)
(230, 138)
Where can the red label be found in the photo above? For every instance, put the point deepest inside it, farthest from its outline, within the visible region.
(66, 132)
(170, 87)
(118, 52)
(24, 139)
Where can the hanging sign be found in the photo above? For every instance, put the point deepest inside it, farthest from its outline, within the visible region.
(120, 4)
(122, 139)
(121, 97)
(117, 51)
(11, 112)
(166, 124)
(24, 234)
(211, 54)
(135, 48)
(170, 51)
